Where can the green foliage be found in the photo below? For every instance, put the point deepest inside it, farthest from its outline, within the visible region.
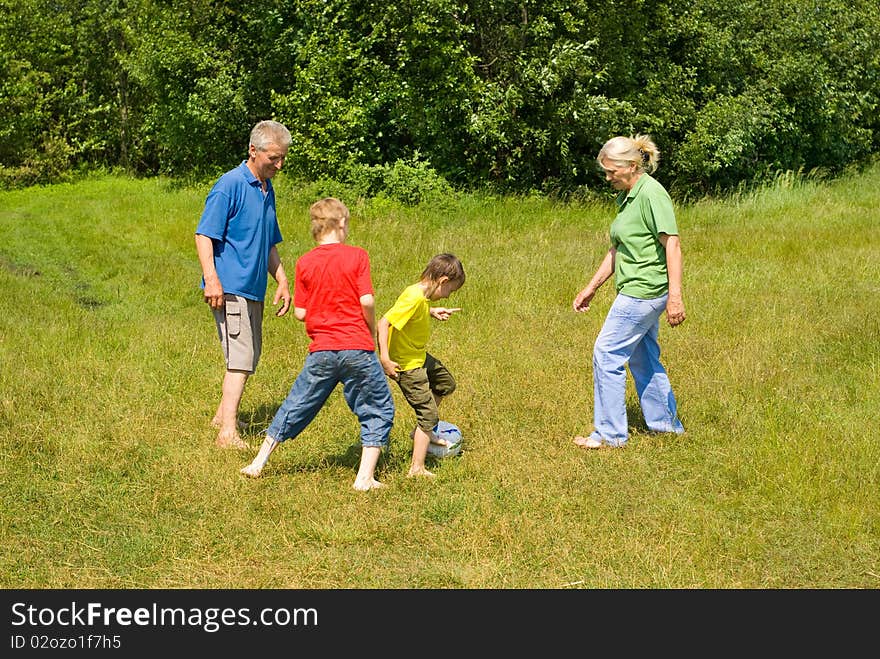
(791, 89)
(370, 84)
(513, 95)
(407, 182)
(20, 88)
(547, 128)
(201, 105)
(732, 139)
(51, 162)
(410, 181)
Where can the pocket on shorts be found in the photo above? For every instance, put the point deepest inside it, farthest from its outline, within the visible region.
(233, 316)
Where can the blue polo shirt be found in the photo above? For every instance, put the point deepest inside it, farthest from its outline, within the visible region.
(243, 226)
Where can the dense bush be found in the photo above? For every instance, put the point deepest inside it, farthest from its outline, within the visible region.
(514, 95)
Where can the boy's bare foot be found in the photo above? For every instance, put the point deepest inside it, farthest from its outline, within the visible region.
(251, 470)
(230, 440)
(420, 472)
(433, 439)
(365, 486)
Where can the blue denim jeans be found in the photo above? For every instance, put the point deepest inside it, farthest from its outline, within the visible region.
(364, 387)
(629, 336)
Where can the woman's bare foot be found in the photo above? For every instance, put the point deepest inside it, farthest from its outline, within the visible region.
(251, 471)
(589, 443)
(365, 486)
(420, 472)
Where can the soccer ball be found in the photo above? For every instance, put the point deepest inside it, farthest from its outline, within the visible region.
(449, 432)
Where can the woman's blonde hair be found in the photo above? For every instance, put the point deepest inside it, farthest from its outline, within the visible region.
(638, 149)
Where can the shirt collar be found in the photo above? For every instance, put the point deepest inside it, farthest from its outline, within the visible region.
(252, 180)
(624, 197)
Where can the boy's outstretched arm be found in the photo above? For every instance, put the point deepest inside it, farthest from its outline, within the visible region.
(442, 313)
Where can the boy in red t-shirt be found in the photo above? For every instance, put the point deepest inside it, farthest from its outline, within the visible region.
(333, 295)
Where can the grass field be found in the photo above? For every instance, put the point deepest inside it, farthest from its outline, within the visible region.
(110, 373)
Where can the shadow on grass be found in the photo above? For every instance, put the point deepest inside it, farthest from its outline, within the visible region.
(258, 419)
(635, 419)
(317, 461)
(637, 425)
(322, 454)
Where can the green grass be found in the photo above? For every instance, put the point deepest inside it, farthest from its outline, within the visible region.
(110, 373)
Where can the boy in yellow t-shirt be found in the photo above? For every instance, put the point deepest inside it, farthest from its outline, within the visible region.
(403, 336)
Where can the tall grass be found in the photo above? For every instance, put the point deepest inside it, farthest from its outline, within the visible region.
(110, 373)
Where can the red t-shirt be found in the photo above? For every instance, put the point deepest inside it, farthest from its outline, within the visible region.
(330, 280)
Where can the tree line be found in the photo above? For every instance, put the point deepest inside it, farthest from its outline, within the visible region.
(513, 95)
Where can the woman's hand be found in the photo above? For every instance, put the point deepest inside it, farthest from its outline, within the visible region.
(675, 310)
(582, 300)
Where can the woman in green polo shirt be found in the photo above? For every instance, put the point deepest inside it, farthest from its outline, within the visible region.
(645, 259)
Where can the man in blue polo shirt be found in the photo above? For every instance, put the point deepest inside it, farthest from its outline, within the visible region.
(236, 242)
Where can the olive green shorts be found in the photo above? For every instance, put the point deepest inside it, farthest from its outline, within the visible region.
(420, 385)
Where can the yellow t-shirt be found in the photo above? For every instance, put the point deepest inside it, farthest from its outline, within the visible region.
(410, 328)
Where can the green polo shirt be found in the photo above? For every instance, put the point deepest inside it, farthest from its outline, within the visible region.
(643, 214)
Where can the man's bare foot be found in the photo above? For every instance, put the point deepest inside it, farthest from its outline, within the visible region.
(365, 486)
(251, 470)
(216, 423)
(230, 440)
(420, 472)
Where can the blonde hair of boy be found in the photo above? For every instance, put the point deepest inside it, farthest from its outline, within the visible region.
(327, 214)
